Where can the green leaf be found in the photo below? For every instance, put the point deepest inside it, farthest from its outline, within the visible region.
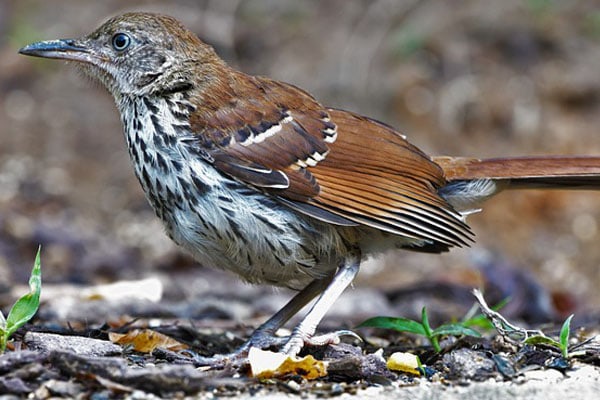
(428, 332)
(26, 307)
(539, 339)
(565, 332)
(455, 330)
(479, 321)
(425, 323)
(397, 324)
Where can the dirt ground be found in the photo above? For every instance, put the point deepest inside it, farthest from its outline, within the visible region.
(486, 78)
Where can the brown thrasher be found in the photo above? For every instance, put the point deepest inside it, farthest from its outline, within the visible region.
(255, 176)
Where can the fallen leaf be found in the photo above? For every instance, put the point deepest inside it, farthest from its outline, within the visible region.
(146, 340)
(404, 362)
(267, 364)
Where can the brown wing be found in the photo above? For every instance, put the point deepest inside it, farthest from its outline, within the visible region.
(372, 175)
(269, 139)
(331, 164)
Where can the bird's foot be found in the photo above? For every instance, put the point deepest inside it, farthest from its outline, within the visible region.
(289, 345)
(298, 339)
(294, 343)
(262, 339)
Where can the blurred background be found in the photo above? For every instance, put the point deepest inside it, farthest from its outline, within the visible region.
(470, 78)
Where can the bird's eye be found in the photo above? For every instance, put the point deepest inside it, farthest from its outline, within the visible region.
(121, 41)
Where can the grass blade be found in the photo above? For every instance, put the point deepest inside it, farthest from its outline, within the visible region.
(565, 332)
(397, 324)
(26, 307)
(455, 330)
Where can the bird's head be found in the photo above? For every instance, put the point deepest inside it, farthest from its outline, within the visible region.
(136, 54)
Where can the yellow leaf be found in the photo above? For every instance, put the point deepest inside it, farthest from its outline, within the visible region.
(404, 362)
(267, 364)
(146, 340)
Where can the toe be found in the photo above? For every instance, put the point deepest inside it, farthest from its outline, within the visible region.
(298, 340)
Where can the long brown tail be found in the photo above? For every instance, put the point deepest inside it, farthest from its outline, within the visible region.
(568, 172)
(472, 181)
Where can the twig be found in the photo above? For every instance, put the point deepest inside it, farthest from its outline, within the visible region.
(511, 333)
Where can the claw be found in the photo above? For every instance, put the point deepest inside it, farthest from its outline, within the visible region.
(260, 339)
(290, 345)
(298, 340)
(330, 338)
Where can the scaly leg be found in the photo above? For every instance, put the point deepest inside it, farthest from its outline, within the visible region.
(264, 336)
(303, 333)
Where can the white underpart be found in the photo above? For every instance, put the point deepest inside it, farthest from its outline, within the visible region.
(205, 228)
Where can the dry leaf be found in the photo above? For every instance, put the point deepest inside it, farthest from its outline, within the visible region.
(146, 340)
(267, 364)
(404, 362)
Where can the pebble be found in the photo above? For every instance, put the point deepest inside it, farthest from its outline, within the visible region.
(48, 342)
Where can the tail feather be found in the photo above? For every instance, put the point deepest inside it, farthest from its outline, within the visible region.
(472, 181)
(571, 172)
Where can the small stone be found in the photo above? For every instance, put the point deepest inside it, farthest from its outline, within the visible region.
(48, 342)
(293, 386)
(336, 389)
(13, 386)
(469, 364)
(63, 388)
(14, 360)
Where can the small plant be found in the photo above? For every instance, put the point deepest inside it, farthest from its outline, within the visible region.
(519, 336)
(563, 339)
(25, 308)
(421, 328)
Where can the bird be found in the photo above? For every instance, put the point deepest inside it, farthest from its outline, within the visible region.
(257, 177)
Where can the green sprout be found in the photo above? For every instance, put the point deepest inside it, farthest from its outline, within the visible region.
(421, 328)
(519, 336)
(563, 339)
(25, 308)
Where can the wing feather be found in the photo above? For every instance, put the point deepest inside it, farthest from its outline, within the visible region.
(333, 165)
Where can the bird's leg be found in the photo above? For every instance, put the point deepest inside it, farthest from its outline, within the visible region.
(304, 331)
(264, 336)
